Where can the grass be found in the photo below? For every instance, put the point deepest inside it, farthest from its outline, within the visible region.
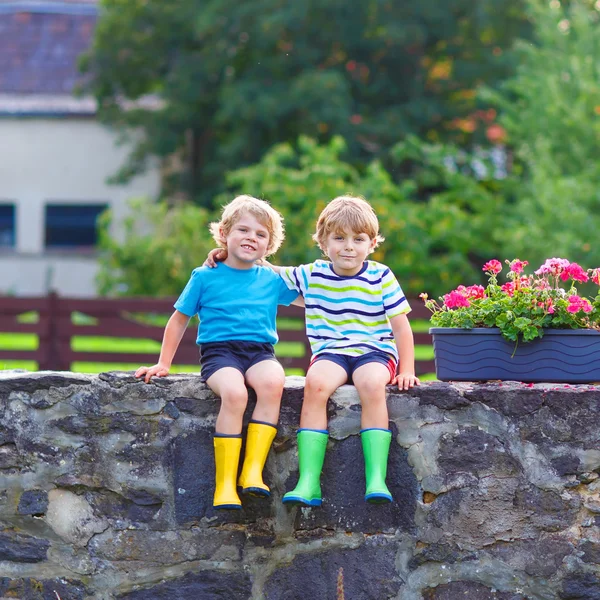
(80, 343)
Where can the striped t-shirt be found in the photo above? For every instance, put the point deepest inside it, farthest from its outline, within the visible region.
(348, 315)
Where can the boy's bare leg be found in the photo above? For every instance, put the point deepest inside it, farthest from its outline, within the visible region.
(267, 379)
(322, 379)
(370, 381)
(228, 384)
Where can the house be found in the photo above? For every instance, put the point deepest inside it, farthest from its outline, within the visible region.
(55, 158)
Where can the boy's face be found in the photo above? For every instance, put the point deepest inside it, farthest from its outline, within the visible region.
(348, 250)
(247, 242)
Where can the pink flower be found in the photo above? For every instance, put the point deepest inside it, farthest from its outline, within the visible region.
(456, 300)
(508, 288)
(473, 291)
(542, 284)
(517, 266)
(553, 266)
(524, 281)
(492, 266)
(577, 303)
(575, 272)
(596, 276)
(550, 306)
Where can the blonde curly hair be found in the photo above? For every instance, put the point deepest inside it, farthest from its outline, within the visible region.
(261, 210)
(351, 213)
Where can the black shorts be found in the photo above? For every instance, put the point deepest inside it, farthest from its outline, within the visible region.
(351, 363)
(238, 355)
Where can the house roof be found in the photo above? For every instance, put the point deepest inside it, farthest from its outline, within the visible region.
(40, 43)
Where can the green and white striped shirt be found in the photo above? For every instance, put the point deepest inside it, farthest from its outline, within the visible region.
(348, 315)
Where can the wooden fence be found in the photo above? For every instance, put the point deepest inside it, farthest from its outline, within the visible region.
(120, 318)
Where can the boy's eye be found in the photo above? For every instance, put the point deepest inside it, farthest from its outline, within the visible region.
(262, 235)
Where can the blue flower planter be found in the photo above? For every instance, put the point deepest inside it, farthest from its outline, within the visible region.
(482, 354)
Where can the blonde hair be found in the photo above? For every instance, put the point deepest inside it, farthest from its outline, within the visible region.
(347, 213)
(261, 210)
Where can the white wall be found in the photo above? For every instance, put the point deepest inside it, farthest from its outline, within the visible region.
(58, 160)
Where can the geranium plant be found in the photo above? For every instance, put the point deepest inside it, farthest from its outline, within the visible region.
(524, 305)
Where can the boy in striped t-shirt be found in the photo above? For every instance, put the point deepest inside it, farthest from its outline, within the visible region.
(359, 333)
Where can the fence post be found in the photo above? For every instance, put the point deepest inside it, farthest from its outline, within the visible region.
(53, 360)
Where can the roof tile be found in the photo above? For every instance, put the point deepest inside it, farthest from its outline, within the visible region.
(39, 51)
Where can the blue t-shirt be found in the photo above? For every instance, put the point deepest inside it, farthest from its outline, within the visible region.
(235, 304)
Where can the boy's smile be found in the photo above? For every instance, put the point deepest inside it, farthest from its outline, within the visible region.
(347, 251)
(246, 242)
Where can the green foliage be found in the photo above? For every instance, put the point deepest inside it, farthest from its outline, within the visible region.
(233, 78)
(160, 247)
(524, 306)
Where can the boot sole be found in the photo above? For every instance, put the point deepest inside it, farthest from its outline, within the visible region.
(297, 500)
(256, 492)
(228, 507)
(378, 498)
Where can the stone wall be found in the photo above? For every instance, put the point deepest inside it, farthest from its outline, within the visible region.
(106, 488)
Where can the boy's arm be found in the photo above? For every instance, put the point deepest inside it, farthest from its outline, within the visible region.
(219, 254)
(405, 344)
(173, 333)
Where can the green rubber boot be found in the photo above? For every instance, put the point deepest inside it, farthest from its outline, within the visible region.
(312, 444)
(376, 448)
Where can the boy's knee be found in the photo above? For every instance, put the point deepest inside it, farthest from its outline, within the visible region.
(314, 389)
(273, 387)
(235, 397)
(370, 386)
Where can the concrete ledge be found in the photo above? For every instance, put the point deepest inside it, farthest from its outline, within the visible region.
(107, 486)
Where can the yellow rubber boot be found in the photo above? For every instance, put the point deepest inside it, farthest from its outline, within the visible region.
(227, 458)
(258, 442)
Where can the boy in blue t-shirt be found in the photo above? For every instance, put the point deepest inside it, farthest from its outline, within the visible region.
(237, 306)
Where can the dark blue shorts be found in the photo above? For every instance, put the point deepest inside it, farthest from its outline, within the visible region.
(238, 355)
(351, 363)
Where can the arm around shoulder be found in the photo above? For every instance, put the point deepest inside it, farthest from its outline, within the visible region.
(174, 331)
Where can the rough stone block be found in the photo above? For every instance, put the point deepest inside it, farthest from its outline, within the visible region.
(22, 548)
(33, 502)
(468, 590)
(367, 572)
(46, 589)
(194, 586)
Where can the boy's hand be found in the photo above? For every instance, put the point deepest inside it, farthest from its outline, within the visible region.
(406, 380)
(158, 370)
(214, 256)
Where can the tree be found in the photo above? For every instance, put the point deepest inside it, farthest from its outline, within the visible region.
(234, 78)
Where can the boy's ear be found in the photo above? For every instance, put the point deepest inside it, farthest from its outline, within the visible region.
(222, 237)
(372, 244)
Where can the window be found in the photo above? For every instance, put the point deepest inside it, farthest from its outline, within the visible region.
(72, 225)
(7, 225)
